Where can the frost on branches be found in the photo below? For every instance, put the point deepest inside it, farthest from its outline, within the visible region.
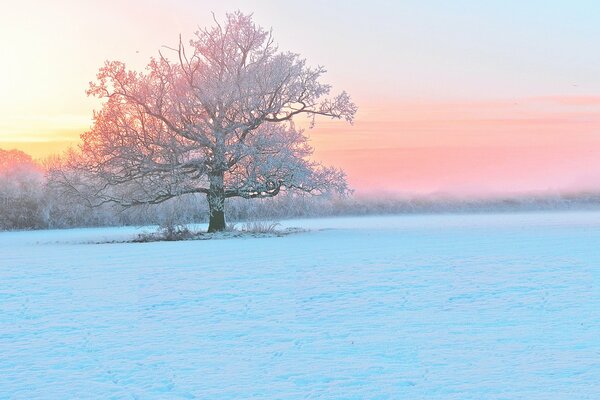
(217, 121)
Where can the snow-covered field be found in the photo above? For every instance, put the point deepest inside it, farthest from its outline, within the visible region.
(502, 306)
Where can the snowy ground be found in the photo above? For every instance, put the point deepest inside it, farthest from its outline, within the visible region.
(409, 307)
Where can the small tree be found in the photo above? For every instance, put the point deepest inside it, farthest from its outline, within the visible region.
(21, 191)
(219, 121)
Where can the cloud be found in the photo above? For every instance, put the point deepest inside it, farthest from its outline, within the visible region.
(570, 100)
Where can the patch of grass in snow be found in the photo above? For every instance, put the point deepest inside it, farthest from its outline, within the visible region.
(167, 234)
(253, 229)
(260, 227)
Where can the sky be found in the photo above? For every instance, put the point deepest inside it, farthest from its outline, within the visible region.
(461, 97)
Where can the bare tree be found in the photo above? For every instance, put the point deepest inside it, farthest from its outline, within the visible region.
(217, 121)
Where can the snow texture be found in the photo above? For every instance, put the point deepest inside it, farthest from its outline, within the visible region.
(503, 306)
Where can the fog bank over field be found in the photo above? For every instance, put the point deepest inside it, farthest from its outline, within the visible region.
(491, 202)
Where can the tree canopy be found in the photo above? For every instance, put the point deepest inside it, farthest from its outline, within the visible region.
(219, 120)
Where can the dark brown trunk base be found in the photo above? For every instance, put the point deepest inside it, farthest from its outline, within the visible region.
(216, 222)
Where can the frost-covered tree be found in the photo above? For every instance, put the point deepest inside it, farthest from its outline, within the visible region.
(217, 121)
(21, 191)
(12, 159)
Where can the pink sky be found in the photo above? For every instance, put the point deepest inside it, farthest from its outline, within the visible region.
(449, 101)
(484, 147)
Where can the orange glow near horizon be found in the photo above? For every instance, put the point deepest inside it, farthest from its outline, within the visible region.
(485, 147)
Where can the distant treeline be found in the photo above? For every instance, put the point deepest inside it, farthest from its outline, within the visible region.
(28, 202)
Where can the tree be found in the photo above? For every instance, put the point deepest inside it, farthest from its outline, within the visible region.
(13, 159)
(21, 191)
(218, 121)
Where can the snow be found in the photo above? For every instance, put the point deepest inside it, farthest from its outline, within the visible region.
(486, 306)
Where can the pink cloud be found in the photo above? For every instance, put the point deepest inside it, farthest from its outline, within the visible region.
(570, 100)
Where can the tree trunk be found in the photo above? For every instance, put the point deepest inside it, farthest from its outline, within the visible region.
(216, 203)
